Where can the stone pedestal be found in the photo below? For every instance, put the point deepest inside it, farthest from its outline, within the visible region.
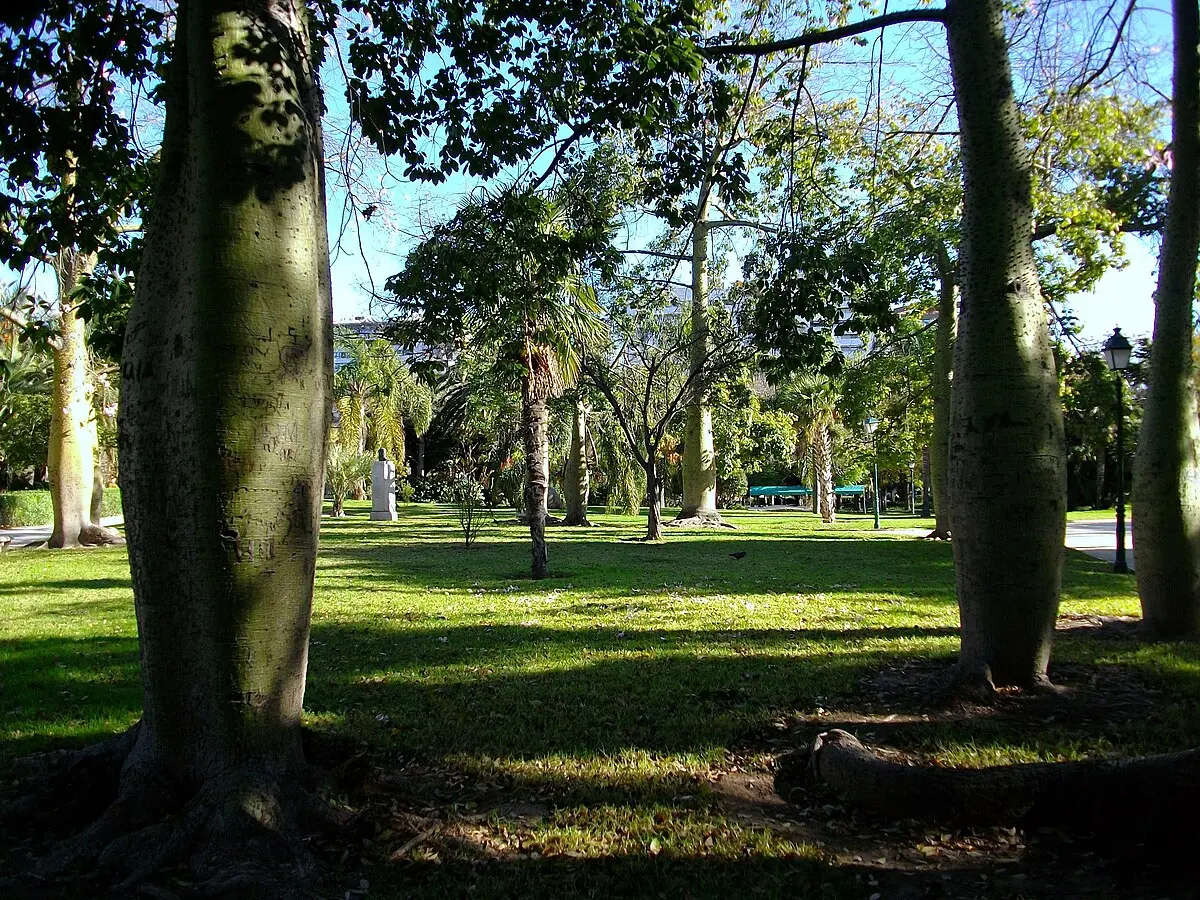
(383, 491)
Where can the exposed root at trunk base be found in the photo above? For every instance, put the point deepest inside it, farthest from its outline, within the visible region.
(937, 535)
(1141, 796)
(581, 522)
(244, 833)
(699, 519)
(99, 535)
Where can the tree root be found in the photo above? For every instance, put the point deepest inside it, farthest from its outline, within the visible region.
(1142, 795)
(937, 535)
(581, 522)
(67, 786)
(243, 833)
(99, 535)
(700, 519)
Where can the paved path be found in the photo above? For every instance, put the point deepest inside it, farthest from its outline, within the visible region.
(32, 535)
(1099, 539)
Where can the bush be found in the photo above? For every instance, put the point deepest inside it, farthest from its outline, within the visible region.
(467, 497)
(111, 504)
(732, 491)
(25, 432)
(21, 508)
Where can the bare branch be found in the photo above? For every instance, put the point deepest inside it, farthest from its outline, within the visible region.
(828, 36)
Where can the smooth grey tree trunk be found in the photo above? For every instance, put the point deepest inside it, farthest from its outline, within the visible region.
(1007, 472)
(535, 432)
(225, 409)
(1166, 470)
(577, 480)
(699, 453)
(943, 366)
(72, 457)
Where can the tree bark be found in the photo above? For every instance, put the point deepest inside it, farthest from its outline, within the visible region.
(577, 477)
(943, 365)
(1007, 474)
(699, 454)
(1098, 482)
(537, 475)
(654, 525)
(823, 464)
(72, 455)
(226, 405)
(926, 478)
(1166, 470)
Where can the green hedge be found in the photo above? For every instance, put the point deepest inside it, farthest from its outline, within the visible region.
(21, 508)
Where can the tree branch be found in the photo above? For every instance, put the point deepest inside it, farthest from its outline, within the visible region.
(813, 38)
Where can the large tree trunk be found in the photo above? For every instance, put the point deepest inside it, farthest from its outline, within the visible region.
(699, 454)
(1007, 470)
(943, 365)
(577, 476)
(72, 456)
(1166, 470)
(223, 421)
(534, 429)
(823, 466)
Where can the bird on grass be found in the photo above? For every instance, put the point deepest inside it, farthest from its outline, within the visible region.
(739, 555)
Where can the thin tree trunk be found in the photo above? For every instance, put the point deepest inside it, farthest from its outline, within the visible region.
(226, 404)
(1098, 484)
(1007, 469)
(1166, 470)
(926, 478)
(699, 453)
(943, 364)
(654, 526)
(534, 429)
(577, 478)
(823, 464)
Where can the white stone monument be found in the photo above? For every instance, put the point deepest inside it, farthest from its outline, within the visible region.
(383, 489)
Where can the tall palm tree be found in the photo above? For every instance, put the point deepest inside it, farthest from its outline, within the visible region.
(813, 400)
(374, 394)
(505, 276)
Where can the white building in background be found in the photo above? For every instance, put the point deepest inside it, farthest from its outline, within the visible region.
(366, 328)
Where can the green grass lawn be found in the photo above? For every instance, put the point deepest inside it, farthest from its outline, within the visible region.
(609, 702)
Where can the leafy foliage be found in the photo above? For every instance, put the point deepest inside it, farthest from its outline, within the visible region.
(61, 66)
(496, 82)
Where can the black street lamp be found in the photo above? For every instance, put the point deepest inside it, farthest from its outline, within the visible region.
(872, 424)
(1117, 351)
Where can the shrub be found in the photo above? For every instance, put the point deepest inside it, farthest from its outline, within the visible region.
(25, 432)
(732, 491)
(21, 508)
(467, 497)
(111, 504)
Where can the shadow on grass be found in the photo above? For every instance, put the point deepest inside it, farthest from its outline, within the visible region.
(920, 571)
(527, 691)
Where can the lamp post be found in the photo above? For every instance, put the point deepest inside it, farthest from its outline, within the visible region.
(872, 424)
(1117, 351)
